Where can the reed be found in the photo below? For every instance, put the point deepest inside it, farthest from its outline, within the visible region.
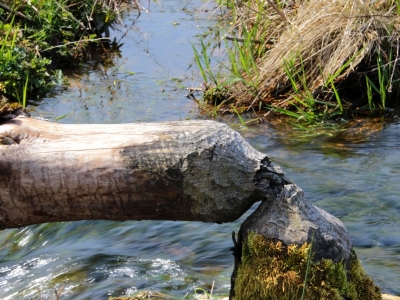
(324, 57)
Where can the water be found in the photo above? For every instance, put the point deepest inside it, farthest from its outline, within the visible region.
(147, 81)
(357, 182)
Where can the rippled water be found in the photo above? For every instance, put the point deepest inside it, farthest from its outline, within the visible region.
(357, 182)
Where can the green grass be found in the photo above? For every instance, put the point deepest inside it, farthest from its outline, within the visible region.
(309, 259)
(21, 70)
(307, 106)
(38, 33)
(371, 86)
(204, 64)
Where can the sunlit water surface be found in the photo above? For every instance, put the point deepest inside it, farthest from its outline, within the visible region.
(357, 182)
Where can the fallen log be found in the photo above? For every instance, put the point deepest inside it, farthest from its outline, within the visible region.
(191, 170)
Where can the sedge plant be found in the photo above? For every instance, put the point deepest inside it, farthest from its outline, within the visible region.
(351, 66)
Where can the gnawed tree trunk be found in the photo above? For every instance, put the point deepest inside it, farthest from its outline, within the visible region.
(191, 170)
(287, 216)
(290, 249)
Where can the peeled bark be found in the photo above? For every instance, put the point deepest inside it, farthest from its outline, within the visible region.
(191, 170)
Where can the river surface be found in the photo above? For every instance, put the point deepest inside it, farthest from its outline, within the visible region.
(357, 181)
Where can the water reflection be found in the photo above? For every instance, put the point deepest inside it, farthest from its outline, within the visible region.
(147, 83)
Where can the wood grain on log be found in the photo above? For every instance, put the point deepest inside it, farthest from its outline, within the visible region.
(191, 170)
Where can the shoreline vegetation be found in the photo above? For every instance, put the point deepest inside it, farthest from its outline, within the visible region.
(312, 60)
(38, 37)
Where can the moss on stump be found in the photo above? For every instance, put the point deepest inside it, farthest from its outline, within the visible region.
(271, 270)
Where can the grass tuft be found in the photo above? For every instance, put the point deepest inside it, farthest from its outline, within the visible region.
(318, 59)
(36, 36)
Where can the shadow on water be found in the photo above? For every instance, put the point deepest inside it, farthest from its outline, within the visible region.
(356, 180)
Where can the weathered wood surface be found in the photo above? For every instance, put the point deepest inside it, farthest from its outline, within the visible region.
(190, 170)
(286, 215)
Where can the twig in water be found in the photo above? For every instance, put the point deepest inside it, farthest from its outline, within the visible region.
(238, 39)
(138, 5)
(193, 90)
(76, 42)
(183, 8)
(58, 293)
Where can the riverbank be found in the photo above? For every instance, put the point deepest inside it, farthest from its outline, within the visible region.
(312, 60)
(41, 37)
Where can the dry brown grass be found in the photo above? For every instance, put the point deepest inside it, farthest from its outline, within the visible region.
(326, 40)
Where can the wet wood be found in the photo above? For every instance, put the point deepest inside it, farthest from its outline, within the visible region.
(191, 170)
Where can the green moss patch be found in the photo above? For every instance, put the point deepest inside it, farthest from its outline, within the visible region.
(271, 270)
